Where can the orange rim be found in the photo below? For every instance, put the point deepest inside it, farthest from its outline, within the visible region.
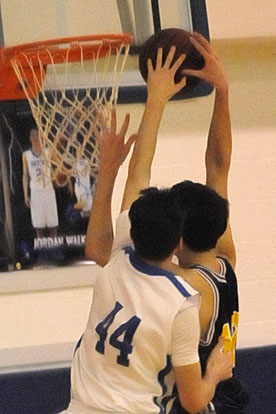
(89, 43)
(71, 49)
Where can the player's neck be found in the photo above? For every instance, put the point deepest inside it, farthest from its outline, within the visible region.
(36, 153)
(160, 263)
(208, 259)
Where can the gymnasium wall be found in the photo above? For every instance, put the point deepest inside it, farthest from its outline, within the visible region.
(232, 19)
(43, 312)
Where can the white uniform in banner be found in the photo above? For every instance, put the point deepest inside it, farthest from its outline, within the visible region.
(142, 321)
(43, 198)
(82, 186)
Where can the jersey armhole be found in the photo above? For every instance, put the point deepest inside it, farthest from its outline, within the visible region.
(210, 332)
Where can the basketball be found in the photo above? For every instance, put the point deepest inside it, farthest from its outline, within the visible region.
(166, 38)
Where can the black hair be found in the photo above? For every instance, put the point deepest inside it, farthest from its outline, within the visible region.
(206, 214)
(155, 224)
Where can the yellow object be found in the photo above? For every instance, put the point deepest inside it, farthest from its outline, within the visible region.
(230, 335)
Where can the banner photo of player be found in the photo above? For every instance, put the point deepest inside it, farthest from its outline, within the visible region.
(49, 221)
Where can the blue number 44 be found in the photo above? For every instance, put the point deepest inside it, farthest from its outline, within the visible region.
(126, 330)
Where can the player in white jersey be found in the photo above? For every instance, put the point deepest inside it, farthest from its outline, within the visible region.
(39, 193)
(83, 188)
(134, 335)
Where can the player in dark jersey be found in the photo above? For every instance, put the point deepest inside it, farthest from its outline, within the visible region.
(217, 284)
(208, 244)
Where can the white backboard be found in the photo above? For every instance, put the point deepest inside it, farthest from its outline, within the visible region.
(35, 20)
(31, 20)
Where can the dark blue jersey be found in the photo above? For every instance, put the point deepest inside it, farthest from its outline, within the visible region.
(230, 397)
(226, 309)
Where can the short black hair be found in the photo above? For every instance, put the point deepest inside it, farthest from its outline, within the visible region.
(206, 214)
(155, 224)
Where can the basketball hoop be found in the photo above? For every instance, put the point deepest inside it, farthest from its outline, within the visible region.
(50, 74)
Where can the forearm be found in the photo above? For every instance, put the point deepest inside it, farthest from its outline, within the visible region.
(139, 170)
(113, 151)
(212, 377)
(200, 394)
(199, 391)
(99, 236)
(145, 145)
(219, 145)
(208, 388)
(161, 87)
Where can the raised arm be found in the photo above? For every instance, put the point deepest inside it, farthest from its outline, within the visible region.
(219, 144)
(161, 87)
(113, 151)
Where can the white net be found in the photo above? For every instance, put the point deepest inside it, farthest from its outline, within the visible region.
(67, 91)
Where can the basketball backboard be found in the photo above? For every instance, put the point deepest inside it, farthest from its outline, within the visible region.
(33, 20)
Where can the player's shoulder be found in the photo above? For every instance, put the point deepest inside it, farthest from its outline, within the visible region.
(25, 153)
(225, 259)
(196, 281)
(123, 217)
(119, 256)
(26, 157)
(184, 285)
(122, 232)
(190, 295)
(227, 268)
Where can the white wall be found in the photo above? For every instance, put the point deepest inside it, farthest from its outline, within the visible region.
(241, 19)
(43, 325)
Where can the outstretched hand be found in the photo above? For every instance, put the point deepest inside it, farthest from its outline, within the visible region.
(112, 146)
(213, 71)
(160, 81)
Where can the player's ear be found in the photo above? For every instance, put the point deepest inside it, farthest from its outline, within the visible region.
(179, 247)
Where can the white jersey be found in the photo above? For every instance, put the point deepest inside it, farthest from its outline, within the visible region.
(83, 189)
(82, 173)
(143, 321)
(39, 178)
(42, 196)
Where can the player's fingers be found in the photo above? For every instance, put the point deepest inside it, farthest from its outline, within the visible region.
(129, 143)
(182, 83)
(98, 129)
(113, 122)
(220, 345)
(179, 62)
(169, 57)
(97, 132)
(192, 72)
(159, 58)
(102, 125)
(201, 49)
(149, 64)
(125, 125)
(203, 41)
